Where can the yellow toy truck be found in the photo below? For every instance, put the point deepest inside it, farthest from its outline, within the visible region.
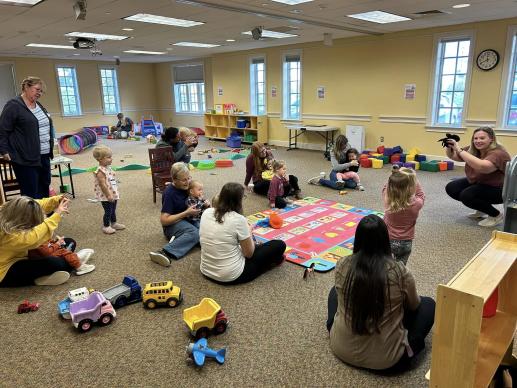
(161, 294)
(205, 318)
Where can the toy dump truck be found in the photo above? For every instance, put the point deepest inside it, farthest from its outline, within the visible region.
(96, 308)
(129, 291)
(63, 307)
(205, 318)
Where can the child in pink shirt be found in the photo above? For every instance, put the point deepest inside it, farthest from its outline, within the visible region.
(351, 173)
(403, 198)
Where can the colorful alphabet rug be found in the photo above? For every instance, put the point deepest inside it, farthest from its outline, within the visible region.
(316, 231)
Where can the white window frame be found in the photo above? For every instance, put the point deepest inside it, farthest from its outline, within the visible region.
(254, 85)
(118, 107)
(76, 91)
(509, 69)
(434, 98)
(286, 90)
(200, 93)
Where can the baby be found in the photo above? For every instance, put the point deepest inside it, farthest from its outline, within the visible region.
(195, 198)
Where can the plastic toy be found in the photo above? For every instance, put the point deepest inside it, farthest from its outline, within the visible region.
(26, 307)
(96, 308)
(199, 350)
(63, 307)
(161, 294)
(75, 143)
(449, 136)
(275, 221)
(343, 192)
(205, 318)
(224, 163)
(309, 271)
(206, 164)
(129, 291)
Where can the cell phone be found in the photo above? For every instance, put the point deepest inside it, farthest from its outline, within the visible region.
(68, 196)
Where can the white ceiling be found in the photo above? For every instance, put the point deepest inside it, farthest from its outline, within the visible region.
(48, 21)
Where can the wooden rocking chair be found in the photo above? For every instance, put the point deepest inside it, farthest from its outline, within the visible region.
(161, 160)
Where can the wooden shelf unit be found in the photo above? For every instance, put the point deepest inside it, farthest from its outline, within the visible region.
(467, 348)
(220, 126)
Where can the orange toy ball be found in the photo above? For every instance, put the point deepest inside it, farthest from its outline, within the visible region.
(275, 220)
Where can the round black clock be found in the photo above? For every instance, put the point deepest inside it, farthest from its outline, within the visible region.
(487, 59)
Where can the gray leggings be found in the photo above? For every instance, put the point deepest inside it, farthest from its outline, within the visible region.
(401, 249)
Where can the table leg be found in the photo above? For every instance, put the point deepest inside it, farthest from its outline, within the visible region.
(71, 180)
(60, 174)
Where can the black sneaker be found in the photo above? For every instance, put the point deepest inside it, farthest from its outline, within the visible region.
(161, 257)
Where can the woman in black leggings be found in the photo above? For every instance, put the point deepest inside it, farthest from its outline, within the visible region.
(485, 162)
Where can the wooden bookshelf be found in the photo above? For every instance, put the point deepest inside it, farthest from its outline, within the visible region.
(220, 126)
(467, 348)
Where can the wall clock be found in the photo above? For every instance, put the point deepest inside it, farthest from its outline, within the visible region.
(487, 59)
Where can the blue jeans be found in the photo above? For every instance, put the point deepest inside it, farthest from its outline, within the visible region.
(349, 183)
(34, 180)
(186, 237)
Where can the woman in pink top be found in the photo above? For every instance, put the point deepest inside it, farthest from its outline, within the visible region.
(485, 163)
(403, 198)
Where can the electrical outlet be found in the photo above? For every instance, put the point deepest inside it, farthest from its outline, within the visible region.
(382, 139)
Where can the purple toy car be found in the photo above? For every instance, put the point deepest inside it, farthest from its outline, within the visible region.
(93, 309)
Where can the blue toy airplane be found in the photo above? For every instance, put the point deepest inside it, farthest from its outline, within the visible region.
(199, 350)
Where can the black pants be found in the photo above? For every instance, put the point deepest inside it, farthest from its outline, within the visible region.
(34, 180)
(418, 323)
(24, 272)
(110, 215)
(261, 187)
(476, 196)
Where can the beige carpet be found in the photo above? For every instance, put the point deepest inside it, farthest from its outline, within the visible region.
(277, 334)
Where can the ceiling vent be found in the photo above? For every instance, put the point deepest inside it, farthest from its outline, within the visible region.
(431, 12)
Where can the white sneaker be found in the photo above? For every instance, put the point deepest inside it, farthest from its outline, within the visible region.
(323, 175)
(476, 215)
(340, 185)
(84, 268)
(85, 254)
(490, 222)
(314, 180)
(54, 279)
(360, 187)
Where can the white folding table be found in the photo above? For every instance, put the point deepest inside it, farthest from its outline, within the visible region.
(325, 131)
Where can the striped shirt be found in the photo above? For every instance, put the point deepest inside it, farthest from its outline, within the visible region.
(44, 129)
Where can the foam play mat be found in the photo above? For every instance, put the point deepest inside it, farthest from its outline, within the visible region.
(316, 231)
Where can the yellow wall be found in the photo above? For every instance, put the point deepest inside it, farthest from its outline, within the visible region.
(365, 77)
(137, 88)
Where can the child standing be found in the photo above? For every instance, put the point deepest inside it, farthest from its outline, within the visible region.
(195, 198)
(403, 198)
(350, 172)
(106, 189)
(281, 187)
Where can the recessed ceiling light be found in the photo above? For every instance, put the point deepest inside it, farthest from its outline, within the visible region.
(465, 5)
(379, 17)
(95, 36)
(169, 49)
(292, 2)
(193, 44)
(145, 52)
(59, 46)
(108, 13)
(296, 11)
(155, 19)
(230, 40)
(77, 54)
(272, 34)
(23, 3)
(128, 29)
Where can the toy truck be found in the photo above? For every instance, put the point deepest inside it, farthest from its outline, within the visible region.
(96, 308)
(63, 307)
(205, 318)
(161, 294)
(26, 307)
(129, 291)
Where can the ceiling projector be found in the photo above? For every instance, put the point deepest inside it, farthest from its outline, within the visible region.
(84, 43)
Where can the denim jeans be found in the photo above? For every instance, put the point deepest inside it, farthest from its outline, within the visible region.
(34, 180)
(349, 183)
(186, 237)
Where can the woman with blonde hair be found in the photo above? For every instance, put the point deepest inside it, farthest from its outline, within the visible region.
(485, 166)
(27, 138)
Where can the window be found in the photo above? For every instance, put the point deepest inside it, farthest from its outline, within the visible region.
(110, 96)
(189, 89)
(509, 120)
(451, 76)
(292, 87)
(258, 86)
(69, 91)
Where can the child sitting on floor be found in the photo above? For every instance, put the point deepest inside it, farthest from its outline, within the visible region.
(64, 248)
(185, 133)
(403, 198)
(195, 198)
(351, 172)
(268, 173)
(280, 187)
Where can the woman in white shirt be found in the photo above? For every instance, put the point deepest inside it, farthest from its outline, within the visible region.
(228, 251)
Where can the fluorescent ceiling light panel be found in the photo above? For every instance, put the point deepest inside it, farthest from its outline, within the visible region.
(156, 19)
(91, 35)
(145, 52)
(58, 46)
(192, 44)
(272, 34)
(292, 2)
(23, 3)
(379, 17)
(465, 5)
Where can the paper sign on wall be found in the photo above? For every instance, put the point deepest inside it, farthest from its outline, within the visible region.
(219, 90)
(321, 92)
(273, 91)
(409, 91)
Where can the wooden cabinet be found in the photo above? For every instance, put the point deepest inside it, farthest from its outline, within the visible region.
(467, 348)
(250, 128)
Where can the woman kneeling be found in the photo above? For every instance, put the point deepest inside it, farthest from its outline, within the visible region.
(229, 253)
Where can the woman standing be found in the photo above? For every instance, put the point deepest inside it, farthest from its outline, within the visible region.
(375, 317)
(229, 253)
(485, 162)
(27, 139)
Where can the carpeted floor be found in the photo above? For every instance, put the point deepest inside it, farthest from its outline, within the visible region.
(277, 333)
